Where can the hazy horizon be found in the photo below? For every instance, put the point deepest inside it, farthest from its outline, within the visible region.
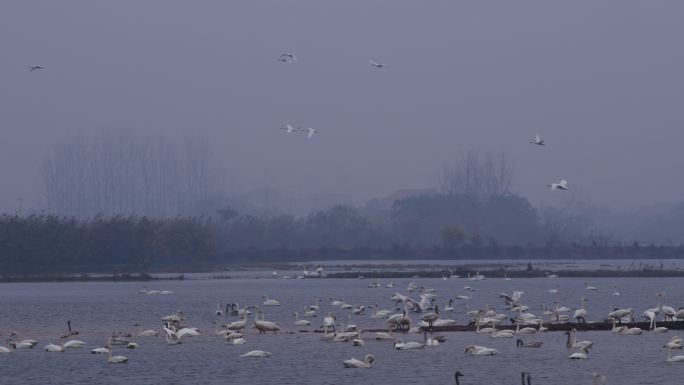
(599, 81)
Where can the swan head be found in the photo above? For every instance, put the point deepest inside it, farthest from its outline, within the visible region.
(370, 358)
(458, 374)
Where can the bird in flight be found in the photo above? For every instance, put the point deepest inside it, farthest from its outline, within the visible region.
(376, 65)
(288, 129)
(33, 68)
(563, 185)
(311, 131)
(538, 141)
(288, 58)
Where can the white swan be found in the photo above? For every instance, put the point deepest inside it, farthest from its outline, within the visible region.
(219, 311)
(401, 345)
(475, 350)
(562, 185)
(239, 341)
(538, 140)
(675, 358)
(270, 302)
(301, 322)
(587, 286)
(580, 356)
(116, 359)
(146, 333)
(354, 363)
(53, 348)
(99, 351)
(581, 313)
(573, 343)
(264, 326)
(74, 344)
(256, 353)
(238, 325)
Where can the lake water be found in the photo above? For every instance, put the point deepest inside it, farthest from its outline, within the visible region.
(40, 311)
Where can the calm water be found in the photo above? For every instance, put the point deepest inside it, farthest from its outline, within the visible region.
(40, 311)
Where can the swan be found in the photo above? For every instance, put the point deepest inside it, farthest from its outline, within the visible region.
(132, 345)
(525, 330)
(53, 348)
(311, 132)
(116, 359)
(616, 293)
(358, 341)
(528, 344)
(270, 302)
(187, 332)
(555, 290)
(675, 358)
(399, 321)
(562, 185)
(23, 344)
(310, 312)
(171, 337)
(573, 343)
(99, 351)
(70, 331)
(256, 353)
(359, 310)
(238, 325)
(315, 306)
(456, 376)
(219, 311)
(146, 333)
(587, 286)
(35, 67)
(239, 341)
(73, 344)
(354, 363)
(579, 356)
(474, 350)
(264, 326)
(448, 306)
(374, 64)
(581, 313)
(299, 322)
(538, 140)
(336, 302)
(429, 341)
(619, 314)
(401, 345)
(549, 275)
(674, 343)
(384, 336)
(542, 328)
(430, 318)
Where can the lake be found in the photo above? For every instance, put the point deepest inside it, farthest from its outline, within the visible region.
(40, 311)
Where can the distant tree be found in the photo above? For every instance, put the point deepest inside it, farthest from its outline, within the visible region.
(452, 237)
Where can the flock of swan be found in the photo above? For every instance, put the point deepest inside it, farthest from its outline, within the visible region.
(413, 310)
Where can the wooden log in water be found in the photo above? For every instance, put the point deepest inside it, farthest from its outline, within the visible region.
(589, 326)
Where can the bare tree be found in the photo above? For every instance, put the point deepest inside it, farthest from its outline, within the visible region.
(122, 173)
(483, 177)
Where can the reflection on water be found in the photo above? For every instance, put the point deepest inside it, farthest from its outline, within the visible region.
(40, 311)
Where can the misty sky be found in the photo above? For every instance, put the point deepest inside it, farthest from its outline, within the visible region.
(601, 81)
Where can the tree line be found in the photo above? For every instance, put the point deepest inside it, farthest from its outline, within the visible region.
(437, 226)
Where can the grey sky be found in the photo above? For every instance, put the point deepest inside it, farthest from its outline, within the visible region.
(601, 81)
